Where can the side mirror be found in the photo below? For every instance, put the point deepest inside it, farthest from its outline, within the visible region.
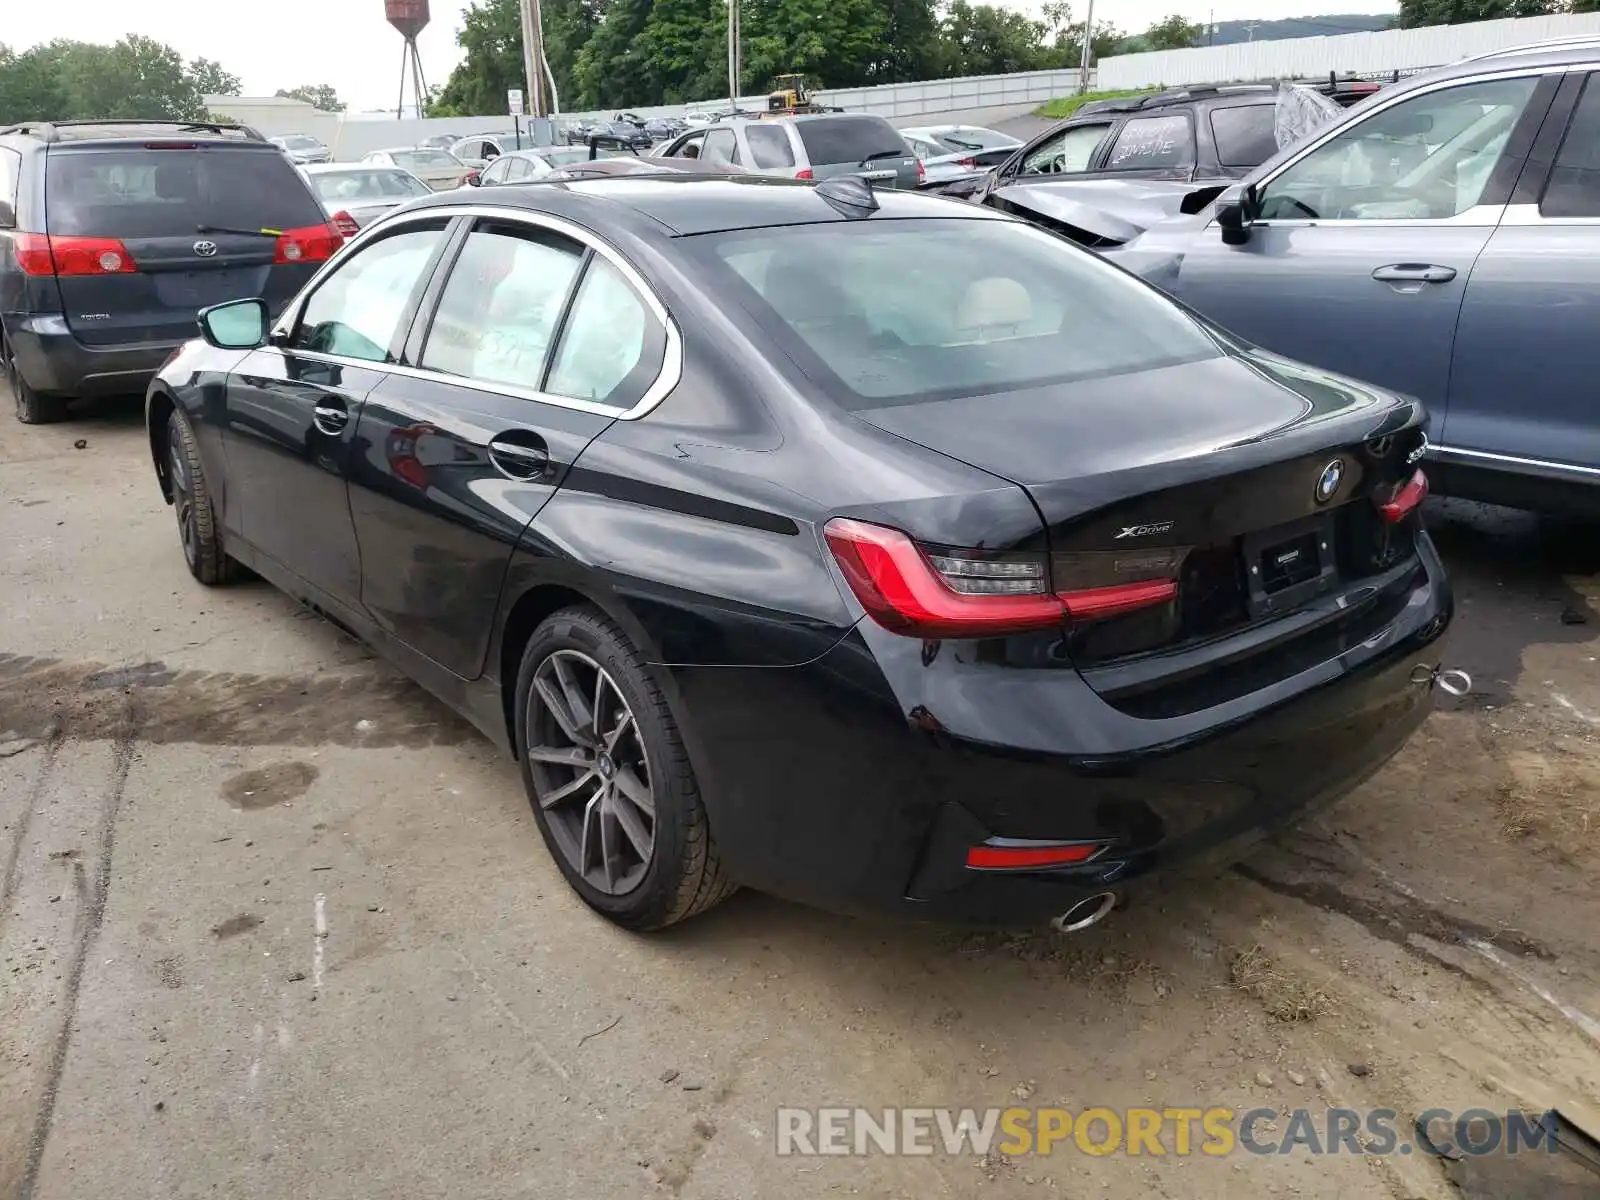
(236, 325)
(1235, 215)
(473, 179)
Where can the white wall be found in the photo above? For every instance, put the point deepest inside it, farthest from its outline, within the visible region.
(1389, 50)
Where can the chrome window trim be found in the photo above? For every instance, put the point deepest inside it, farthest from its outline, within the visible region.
(1454, 81)
(670, 374)
(1526, 216)
(1479, 216)
(1528, 466)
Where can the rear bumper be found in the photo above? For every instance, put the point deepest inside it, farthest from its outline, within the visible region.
(53, 362)
(854, 785)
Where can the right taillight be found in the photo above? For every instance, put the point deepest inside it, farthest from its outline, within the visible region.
(40, 254)
(804, 173)
(939, 593)
(1404, 499)
(308, 244)
(345, 224)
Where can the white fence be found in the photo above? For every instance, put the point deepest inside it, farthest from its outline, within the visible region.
(350, 135)
(1388, 50)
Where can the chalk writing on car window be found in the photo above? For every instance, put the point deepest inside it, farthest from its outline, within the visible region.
(1154, 142)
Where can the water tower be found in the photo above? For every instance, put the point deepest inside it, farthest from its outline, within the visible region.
(410, 17)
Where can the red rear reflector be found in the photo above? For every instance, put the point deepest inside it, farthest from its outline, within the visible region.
(804, 173)
(345, 224)
(1407, 497)
(992, 857)
(309, 244)
(897, 584)
(38, 254)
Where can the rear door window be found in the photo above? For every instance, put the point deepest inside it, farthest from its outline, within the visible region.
(611, 344)
(10, 170)
(138, 193)
(849, 139)
(1245, 136)
(1574, 188)
(769, 146)
(1152, 143)
(720, 147)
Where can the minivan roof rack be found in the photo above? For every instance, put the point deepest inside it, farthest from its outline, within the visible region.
(1578, 42)
(55, 131)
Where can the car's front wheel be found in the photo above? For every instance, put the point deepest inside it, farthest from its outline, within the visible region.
(191, 504)
(611, 785)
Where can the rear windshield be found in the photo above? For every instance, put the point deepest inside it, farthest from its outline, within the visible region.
(425, 159)
(164, 193)
(300, 141)
(974, 139)
(849, 140)
(886, 312)
(341, 187)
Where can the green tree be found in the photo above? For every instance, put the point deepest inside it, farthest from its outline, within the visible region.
(1414, 13)
(1174, 33)
(682, 51)
(491, 36)
(980, 39)
(907, 49)
(137, 77)
(29, 87)
(319, 96)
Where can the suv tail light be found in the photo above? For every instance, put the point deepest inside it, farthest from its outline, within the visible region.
(308, 244)
(345, 224)
(920, 592)
(804, 173)
(41, 254)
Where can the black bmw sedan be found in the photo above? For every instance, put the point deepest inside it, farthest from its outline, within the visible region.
(871, 550)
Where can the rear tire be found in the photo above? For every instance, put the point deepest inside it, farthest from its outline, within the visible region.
(602, 739)
(191, 503)
(32, 408)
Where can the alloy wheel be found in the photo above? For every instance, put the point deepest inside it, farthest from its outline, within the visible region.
(182, 498)
(590, 772)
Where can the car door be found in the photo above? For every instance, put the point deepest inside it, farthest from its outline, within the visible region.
(721, 147)
(1065, 153)
(1526, 354)
(529, 346)
(681, 147)
(495, 173)
(1360, 253)
(292, 405)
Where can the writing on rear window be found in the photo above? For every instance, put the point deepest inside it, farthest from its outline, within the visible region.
(1151, 142)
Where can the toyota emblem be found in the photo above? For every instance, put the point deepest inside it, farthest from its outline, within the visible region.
(205, 249)
(1330, 479)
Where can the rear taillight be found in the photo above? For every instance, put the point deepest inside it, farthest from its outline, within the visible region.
(345, 224)
(39, 254)
(804, 173)
(970, 164)
(941, 593)
(308, 244)
(1404, 499)
(471, 177)
(922, 172)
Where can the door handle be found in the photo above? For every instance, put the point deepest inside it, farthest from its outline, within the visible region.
(515, 460)
(1414, 273)
(331, 415)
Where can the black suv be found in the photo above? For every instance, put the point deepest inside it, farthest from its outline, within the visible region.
(114, 234)
(1196, 133)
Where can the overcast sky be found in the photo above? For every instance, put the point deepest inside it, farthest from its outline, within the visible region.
(345, 43)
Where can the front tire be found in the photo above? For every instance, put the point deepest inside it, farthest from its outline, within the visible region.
(611, 785)
(32, 408)
(191, 503)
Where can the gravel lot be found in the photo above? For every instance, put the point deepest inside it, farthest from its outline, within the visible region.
(276, 925)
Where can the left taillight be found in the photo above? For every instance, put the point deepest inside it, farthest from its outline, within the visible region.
(308, 244)
(40, 254)
(922, 172)
(345, 224)
(1404, 499)
(933, 592)
(970, 164)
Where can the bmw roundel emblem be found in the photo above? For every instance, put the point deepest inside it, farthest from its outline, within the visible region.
(1330, 479)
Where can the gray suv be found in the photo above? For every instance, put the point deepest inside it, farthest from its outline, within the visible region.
(1442, 240)
(814, 146)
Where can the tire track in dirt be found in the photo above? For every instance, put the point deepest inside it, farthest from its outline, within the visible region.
(41, 697)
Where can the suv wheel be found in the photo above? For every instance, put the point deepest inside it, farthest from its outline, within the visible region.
(32, 408)
(611, 786)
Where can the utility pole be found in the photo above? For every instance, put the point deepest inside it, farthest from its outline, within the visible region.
(734, 48)
(1088, 49)
(1251, 30)
(533, 56)
(1211, 27)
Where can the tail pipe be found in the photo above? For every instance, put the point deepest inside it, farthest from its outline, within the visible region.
(1086, 912)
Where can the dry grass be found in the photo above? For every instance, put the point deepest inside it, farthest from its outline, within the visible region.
(1284, 996)
(1559, 812)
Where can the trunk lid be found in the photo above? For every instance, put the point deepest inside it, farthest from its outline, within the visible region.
(1247, 479)
(156, 201)
(858, 144)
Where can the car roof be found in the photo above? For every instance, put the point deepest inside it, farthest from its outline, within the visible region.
(685, 205)
(333, 168)
(137, 131)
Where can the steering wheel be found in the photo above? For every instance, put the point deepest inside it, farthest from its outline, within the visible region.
(1303, 208)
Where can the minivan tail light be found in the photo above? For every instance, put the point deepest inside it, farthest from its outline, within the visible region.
(308, 244)
(41, 254)
(345, 224)
(804, 173)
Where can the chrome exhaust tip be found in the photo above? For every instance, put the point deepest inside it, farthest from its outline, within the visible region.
(1089, 911)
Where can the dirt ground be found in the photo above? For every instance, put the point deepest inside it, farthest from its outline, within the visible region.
(274, 925)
